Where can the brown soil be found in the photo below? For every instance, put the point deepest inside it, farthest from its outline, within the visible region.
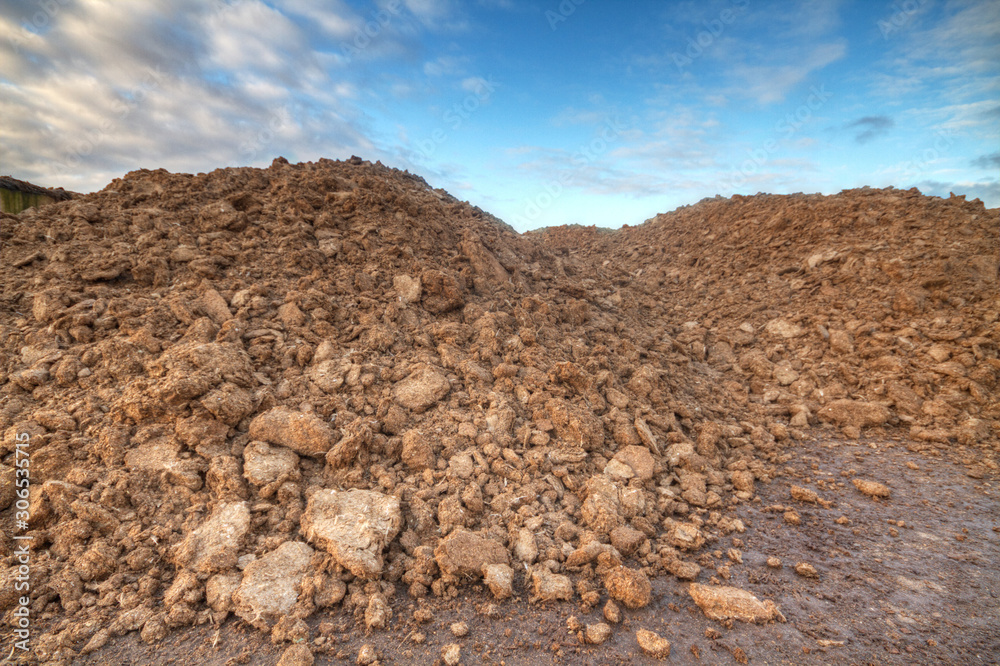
(318, 403)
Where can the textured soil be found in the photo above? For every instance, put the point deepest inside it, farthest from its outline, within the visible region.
(326, 405)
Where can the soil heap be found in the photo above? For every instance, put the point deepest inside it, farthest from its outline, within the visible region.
(270, 392)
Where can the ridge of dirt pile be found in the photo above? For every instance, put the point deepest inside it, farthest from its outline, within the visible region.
(269, 392)
(865, 309)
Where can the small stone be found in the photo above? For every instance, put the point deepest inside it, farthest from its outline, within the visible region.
(774, 562)
(653, 644)
(686, 536)
(806, 570)
(743, 480)
(595, 634)
(451, 654)
(459, 629)
(215, 544)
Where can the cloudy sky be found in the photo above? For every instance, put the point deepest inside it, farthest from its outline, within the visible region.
(542, 112)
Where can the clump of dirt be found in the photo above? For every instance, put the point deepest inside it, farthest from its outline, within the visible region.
(271, 392)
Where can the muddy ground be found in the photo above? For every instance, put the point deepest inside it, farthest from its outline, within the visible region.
(926, 592)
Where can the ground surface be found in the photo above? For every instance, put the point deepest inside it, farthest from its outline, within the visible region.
(924, 593)
(334, 403)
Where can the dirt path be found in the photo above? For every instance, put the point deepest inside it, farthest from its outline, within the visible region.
(909, 580)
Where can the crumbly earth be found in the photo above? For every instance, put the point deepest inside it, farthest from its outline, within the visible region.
(273, 407)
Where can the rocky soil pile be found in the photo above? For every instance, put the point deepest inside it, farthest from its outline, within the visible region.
(270, 392)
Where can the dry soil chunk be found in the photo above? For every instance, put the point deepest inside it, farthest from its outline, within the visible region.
(304, 433)
(500, 579)
(464, 553)
(297, 655)
(804, 495)
(159, 456)
(782, 328)
(551, 587)
(354, 526)
(270, 585)
(855, 413)
(806, 570)
(871, 488)
(219, 591)
(653, 644)
(639, 459)
(264, 464)
(731, 603)
(595, 634)
(451, 654)
(629, 586)
(421, 390)
(407, 288)
(215, 544)
(602, 508)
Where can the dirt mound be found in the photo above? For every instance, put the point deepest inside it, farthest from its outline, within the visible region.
(269, 392)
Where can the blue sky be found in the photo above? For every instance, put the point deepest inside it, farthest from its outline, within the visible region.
(543, 113)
